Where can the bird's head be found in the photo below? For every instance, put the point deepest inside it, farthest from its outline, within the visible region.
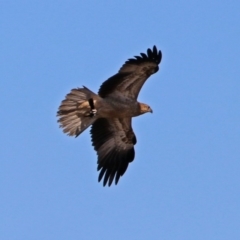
(144, 108)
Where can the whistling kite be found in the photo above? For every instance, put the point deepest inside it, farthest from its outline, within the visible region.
(110, 114)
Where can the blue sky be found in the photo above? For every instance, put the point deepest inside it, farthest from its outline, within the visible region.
(184, 182)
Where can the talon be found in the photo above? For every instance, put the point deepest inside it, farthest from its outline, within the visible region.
(93, 112)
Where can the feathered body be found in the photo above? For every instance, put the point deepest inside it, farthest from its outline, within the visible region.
(110, 113)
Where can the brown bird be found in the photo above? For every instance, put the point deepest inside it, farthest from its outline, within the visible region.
(110, 113)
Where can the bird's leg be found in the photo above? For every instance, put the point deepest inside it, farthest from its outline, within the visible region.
(93, 111)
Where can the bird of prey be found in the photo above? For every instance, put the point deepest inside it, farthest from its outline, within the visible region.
(110, 113)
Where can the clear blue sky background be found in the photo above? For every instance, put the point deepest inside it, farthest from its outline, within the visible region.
(185, 180)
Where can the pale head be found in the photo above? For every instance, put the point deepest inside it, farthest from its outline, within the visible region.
(144, 108)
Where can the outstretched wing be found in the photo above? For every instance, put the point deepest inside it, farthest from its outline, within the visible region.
(132, 75)
(114, 141)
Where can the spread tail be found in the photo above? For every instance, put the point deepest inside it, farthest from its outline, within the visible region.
(77, 111)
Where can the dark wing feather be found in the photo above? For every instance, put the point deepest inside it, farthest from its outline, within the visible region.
(132, 75)
(113, 139)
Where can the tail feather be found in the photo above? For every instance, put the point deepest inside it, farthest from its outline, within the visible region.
(75, 112)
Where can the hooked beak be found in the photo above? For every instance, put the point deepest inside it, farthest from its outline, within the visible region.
(150, 110)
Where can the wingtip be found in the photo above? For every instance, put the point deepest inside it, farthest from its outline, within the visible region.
(154, 50)
(152, 55)
(157, 54)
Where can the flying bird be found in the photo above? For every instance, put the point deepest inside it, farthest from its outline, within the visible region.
(110, 113)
